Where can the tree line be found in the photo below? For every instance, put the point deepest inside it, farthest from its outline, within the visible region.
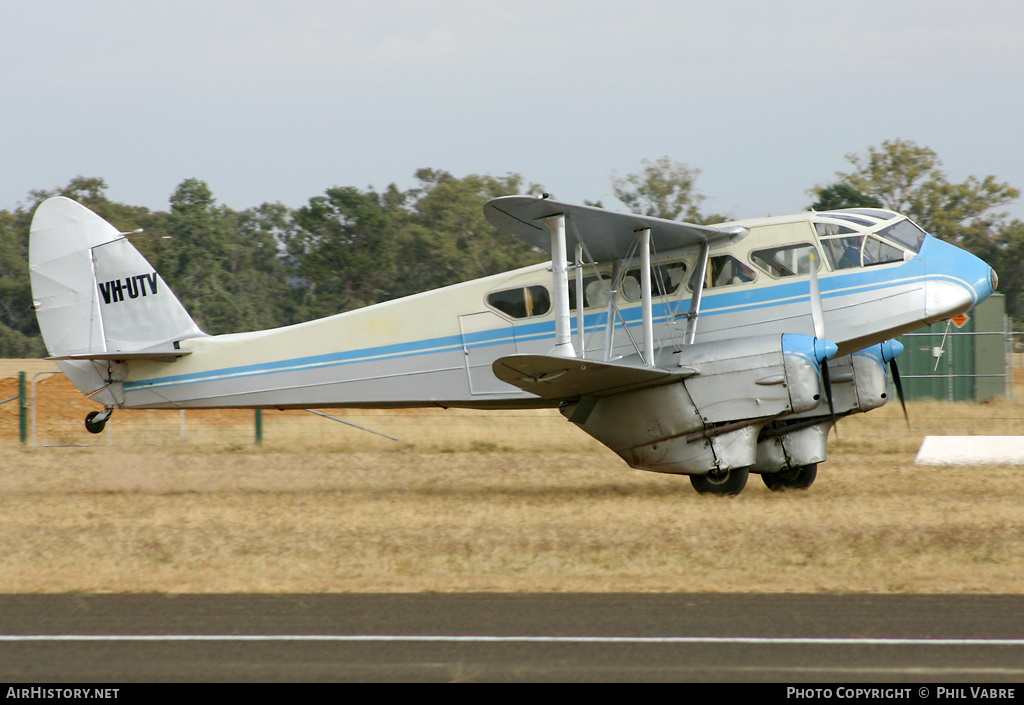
(349, 247)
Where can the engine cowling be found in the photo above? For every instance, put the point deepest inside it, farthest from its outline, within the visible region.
(712, 418)
(859, 384)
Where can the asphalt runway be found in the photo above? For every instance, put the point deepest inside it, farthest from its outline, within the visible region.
(512, 637)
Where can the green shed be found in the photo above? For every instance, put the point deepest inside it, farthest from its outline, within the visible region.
(966, 360)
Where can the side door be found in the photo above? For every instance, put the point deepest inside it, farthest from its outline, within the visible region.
(486, 336)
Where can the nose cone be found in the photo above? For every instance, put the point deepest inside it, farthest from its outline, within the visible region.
(824, 349)
(808, 347)
(957, 280)
(891, 349)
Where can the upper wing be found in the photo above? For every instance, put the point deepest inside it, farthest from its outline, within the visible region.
(608, 235)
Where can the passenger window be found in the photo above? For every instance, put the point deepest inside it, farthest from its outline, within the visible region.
(786, 261)
(595, 291)
(521, 302)
(843, 252)
(630, 286)
(859, 251)
(831, 229)
(726, 270)
(880, 252)
(665, 281)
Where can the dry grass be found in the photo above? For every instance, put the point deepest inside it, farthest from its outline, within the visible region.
(479, 508)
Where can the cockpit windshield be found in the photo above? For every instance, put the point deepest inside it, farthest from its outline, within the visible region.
(867, 237)
(905, 233)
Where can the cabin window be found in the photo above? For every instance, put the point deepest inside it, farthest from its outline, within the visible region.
(521, 302)
(595, 291)
(878, 251)
(843, 252)
(785, 261)
(845, 247)
(859, 251)
(878, 213)
(665, 281)
(830, 229)
(726, 270)
(847, 216)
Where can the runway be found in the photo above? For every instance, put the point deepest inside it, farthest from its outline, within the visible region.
(512, 637)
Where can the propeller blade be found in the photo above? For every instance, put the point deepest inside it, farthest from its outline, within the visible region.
(827, 382)
(818, 319)
(817, 312)
(898, 383)
(891, 349)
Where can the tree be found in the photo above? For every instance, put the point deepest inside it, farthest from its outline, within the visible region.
(19, 333)
(1007, 257)
(664, 189)
(839, 196)
(343, 250)
(444, 237)
(207, 264)
(908, 178)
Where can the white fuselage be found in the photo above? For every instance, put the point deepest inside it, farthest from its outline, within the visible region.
(436, 348)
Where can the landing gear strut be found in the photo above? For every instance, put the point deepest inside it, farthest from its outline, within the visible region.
(96, 420)
(726, 482)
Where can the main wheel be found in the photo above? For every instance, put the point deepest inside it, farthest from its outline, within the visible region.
(726, 482)
(798, 478)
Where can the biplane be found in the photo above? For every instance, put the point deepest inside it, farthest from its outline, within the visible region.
(712, 351)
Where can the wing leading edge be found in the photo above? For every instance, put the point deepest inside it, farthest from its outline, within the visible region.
(608, 235)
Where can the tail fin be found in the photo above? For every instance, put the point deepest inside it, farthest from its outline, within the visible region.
(96, 297)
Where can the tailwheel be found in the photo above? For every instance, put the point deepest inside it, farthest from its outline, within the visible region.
(723, 482)
(798, 478)
(96, 420)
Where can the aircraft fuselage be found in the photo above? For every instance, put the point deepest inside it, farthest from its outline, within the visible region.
(437, 348)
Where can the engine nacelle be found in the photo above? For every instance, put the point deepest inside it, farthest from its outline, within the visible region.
(859, 383)
(711, 419)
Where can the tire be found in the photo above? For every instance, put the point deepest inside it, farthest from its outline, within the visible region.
(94, 426)
(798, 478)
(725, 482)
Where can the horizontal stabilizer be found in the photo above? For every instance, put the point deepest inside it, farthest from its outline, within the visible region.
(553, 377)
(160, 353)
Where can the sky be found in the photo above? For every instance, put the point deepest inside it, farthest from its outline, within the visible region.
(273, 101)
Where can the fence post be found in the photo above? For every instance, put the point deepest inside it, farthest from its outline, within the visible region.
(259, 427)
(22, 409)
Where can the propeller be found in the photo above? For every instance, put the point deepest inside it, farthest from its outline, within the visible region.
(891, 349)
(818, 318)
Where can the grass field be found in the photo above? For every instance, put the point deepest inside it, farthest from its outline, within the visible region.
(497, 502)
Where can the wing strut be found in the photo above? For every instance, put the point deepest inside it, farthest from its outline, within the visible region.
(698, 292)
(560, 285)
(581, 321)
(613, 296)
(644, 236)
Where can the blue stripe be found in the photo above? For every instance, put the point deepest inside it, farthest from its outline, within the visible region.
(395, 351)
